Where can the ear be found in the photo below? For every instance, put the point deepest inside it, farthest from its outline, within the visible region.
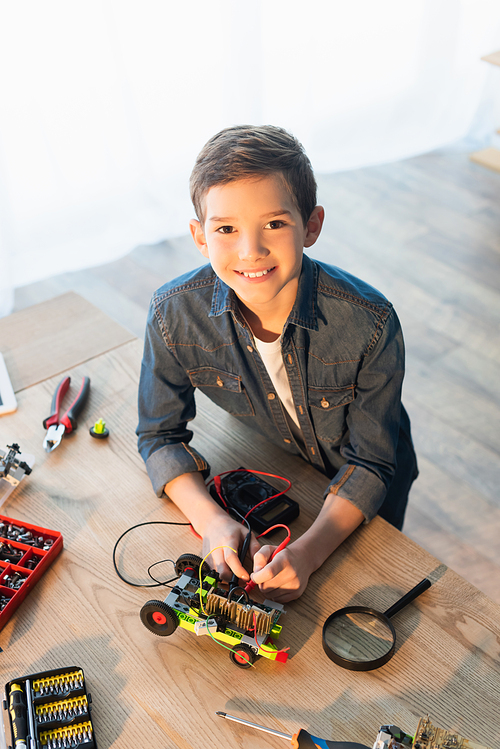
(198, 236)
(314, 226)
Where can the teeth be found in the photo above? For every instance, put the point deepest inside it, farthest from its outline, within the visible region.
(255, 275)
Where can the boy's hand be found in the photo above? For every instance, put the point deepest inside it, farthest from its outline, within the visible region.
(213, 524)
(285, 577)
(223, 531)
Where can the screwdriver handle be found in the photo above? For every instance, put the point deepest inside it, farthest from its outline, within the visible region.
(17, 710)
(304, 740)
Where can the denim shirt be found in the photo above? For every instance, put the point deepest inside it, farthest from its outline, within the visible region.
(343, 352)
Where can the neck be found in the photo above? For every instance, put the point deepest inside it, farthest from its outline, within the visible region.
(267, 330)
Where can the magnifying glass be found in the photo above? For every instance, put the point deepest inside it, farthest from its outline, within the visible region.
(360, 638)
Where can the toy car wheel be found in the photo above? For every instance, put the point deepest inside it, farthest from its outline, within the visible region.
(159, 618)
(242, 656)
(190, 561)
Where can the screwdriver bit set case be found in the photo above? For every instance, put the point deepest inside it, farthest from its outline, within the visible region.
(58, 710)
(26, 551)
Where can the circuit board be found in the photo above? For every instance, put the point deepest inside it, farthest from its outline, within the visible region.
(427, 736)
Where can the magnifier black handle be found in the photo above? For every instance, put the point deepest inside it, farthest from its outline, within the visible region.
(408, 597)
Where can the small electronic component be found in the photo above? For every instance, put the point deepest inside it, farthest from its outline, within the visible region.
(14, 466)
(99, 431)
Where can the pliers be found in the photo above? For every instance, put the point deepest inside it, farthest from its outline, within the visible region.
(56, 426)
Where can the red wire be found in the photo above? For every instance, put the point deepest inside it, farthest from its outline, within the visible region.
(217, 484)
(278, 525)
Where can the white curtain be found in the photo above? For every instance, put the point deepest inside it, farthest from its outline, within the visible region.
(105, 104)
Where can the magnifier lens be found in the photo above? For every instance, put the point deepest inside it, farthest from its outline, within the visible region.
(358, 636)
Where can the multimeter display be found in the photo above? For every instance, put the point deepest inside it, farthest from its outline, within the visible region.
(243, 490)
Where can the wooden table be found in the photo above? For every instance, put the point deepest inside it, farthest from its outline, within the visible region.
(163, 692)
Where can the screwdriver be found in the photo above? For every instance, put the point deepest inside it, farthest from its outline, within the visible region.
(300, 740)
(18, 713)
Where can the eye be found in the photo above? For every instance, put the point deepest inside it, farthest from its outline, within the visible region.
(275, 225)
(225, 229)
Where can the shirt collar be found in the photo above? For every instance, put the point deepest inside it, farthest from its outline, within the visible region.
(304, 311)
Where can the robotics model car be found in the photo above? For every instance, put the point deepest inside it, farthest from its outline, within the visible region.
(246, 628)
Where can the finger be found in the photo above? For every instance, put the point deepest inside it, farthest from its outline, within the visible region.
(264, 575)
(235, 565)
(218, 563)
(262, 557)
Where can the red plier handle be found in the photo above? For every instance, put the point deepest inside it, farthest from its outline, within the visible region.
(68, 419)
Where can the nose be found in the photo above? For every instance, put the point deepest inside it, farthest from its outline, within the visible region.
(251, 248)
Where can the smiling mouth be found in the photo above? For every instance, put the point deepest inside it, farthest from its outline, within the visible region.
(255, 274)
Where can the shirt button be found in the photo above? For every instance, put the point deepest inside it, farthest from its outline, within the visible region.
(290, 358)
(324, 403)
(219, 382)
(271, 396)
(249, 348)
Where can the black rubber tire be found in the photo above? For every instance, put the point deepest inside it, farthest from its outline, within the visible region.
(166, 621)
(242, 656)
(193, 561)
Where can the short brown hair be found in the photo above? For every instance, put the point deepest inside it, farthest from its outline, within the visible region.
(244, 151)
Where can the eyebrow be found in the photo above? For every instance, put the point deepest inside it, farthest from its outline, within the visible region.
(280, 212)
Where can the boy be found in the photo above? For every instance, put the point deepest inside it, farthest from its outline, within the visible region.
(302, 351)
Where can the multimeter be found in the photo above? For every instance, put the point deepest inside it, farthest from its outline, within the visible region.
(242, 490)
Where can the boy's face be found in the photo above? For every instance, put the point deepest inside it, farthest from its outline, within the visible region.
(254, 237)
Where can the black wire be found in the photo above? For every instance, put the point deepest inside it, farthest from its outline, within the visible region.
(233, 509)
(141, 585)
(238, 587)
(166, 582)
(157, 583)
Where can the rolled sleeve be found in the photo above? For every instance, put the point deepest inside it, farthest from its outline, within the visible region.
(373, 421)
(170, 461)
(361, 487)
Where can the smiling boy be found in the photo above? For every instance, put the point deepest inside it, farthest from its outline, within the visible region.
(307, 354)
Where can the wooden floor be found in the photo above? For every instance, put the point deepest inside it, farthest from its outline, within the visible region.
(426, 232)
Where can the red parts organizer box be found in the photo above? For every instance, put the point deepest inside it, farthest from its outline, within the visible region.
(22, 567)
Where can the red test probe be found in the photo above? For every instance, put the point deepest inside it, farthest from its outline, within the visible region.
(251, 585)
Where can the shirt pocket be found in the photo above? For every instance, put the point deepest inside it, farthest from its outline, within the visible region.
(223, 388)
(328, 407)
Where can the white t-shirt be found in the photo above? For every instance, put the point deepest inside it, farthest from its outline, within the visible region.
(270, 354)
